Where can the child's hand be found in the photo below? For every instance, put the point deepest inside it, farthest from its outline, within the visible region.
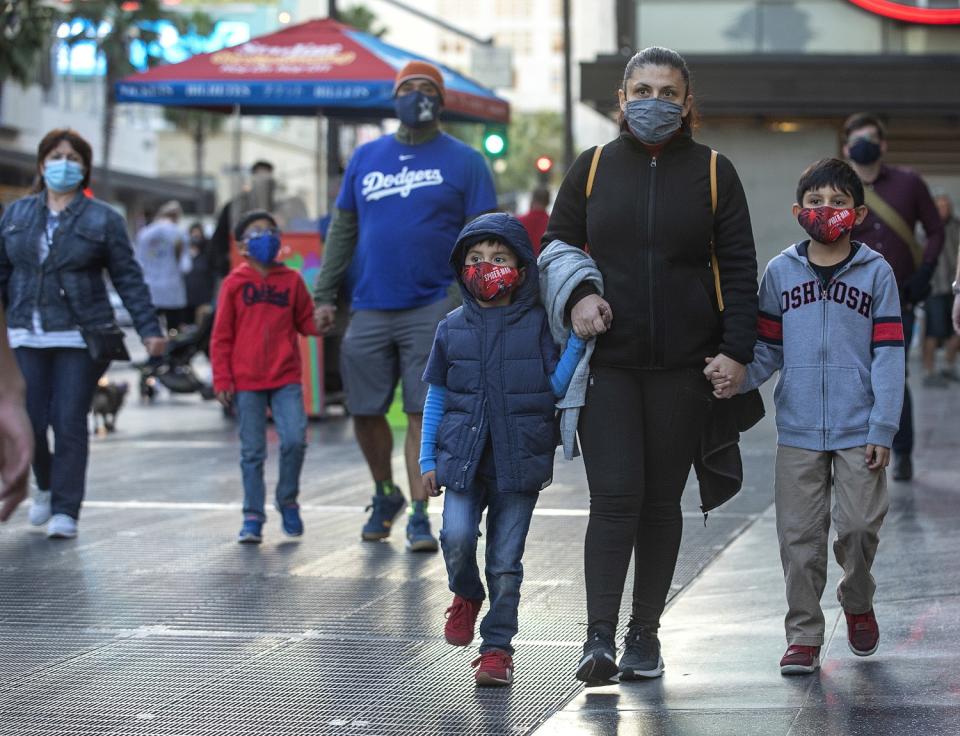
(430, 483)
(722, 382)
(225, 398)
(877, 457)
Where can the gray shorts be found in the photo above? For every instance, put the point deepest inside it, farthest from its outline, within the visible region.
(382, 347)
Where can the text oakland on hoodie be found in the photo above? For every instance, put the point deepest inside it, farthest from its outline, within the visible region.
(839, 350)
(256, 335)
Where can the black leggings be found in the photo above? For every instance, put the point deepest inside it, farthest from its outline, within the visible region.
(639, 431)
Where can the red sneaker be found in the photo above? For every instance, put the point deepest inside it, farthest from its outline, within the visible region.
(863, 633)
(496, 668)
(461, 620)
(800, 660)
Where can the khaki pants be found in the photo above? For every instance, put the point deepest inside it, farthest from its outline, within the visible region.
(803, 489)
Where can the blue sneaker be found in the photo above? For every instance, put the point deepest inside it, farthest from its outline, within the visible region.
(251, 531)
(292, 523)
(419, 538)
(385, 507)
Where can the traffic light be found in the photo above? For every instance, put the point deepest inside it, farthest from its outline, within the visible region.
(495, 142)
(544, 167)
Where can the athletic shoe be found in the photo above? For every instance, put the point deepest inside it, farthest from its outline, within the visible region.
(950, 374)
(934, 380)
(386, 508)
(62, 526)
(461, 621)
(863, 633)
(800, 660)
(251, 532)
(599, 662)
(419, 538)
(902, 467)
(291, 521)
(496, 668)
(641, 658)
(39, 513)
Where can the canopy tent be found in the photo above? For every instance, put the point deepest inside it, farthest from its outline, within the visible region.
(317, 67)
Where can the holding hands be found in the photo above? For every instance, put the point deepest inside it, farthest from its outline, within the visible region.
(591, 316)
(725, 374)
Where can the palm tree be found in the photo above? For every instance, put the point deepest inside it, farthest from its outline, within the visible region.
(115, 26)
(25, 27)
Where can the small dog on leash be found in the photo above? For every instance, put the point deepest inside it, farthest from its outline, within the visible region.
(106, 404)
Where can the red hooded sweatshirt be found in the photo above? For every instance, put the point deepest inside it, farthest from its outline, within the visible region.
(256, 335)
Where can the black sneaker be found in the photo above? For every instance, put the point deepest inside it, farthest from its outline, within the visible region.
(641, 658)
(902, 467)
(599, 662)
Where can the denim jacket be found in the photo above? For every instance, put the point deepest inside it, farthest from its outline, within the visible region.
(91, 237)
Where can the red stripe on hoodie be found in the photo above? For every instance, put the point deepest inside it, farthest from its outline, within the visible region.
(256, 335)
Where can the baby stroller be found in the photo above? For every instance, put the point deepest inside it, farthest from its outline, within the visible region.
(173, 370)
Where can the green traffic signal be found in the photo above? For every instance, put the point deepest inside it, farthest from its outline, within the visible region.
(495, 142)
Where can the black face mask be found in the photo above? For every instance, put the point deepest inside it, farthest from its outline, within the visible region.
(864, 151)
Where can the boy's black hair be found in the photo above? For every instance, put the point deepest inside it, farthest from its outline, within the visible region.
(831, 172)
(247, 217)
(863, 120)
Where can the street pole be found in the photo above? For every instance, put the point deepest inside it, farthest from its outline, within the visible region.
(333, 139)
(567, 90)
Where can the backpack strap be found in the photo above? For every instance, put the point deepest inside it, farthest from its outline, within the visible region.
(593, 169)
(714, 263)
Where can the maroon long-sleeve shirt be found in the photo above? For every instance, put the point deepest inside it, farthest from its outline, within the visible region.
(907, 193)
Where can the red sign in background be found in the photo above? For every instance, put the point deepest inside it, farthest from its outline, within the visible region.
(910, 12)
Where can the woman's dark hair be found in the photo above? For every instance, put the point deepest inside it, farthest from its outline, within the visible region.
(79, 144)
(659, 56)
(831, 172)
(863, 120)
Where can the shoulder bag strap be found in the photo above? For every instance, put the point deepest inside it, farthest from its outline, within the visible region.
(892, 219)
(593, 169)
(714, 263)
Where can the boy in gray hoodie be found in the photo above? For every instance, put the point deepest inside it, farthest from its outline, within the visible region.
(830, 323)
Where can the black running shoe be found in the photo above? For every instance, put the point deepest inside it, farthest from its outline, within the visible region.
(641, 658)
(599, 662)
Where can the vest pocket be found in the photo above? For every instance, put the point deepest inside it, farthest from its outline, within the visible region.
(536, 435)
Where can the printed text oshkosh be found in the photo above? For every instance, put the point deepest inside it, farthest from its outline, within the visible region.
(377, 185)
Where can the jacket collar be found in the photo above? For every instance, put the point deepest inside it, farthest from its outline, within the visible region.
(681, 139)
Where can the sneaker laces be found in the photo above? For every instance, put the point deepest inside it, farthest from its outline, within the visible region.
(492, 659)
(458, 607)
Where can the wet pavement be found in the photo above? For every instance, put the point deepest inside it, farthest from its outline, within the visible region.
(155, 621)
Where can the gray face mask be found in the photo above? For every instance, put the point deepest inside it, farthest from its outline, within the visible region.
(653, 120)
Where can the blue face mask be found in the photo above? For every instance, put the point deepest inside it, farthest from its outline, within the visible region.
(264, 247)
(62, 175)
(416, 109)
(653, 120)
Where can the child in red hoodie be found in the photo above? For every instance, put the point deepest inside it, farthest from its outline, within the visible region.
(262, 310)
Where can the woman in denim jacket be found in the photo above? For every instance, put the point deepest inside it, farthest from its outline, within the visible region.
(54, 246)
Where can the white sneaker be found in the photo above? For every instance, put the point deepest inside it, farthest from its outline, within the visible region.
(62, 526)
(39, 513)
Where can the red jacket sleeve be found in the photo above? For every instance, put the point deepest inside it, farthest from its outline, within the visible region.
(303, 310)
(222, 339)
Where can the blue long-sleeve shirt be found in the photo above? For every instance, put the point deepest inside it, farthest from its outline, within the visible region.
(436, 398)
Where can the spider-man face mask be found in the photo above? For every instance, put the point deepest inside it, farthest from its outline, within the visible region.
(827, 224)
(487, 281)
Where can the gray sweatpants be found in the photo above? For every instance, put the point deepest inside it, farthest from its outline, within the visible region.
(804, 481)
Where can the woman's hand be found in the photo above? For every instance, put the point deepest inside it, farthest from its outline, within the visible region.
(430, 483)
(725, 374)
(591, 316)
(155, 346)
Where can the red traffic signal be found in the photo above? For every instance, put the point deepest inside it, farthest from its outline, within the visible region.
(544, 164)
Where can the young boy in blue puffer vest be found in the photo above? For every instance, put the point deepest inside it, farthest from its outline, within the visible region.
(489, 428)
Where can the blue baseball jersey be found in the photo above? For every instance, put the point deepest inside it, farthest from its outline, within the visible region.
(411, 202)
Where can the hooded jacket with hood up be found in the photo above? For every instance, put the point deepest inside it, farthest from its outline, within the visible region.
(495, 364)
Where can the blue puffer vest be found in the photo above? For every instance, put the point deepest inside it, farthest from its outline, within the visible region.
(498, 386)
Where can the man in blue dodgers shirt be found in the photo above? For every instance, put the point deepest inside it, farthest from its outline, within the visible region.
(404, 199)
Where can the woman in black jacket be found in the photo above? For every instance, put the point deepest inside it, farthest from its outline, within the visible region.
(649, 224)
(54, 247)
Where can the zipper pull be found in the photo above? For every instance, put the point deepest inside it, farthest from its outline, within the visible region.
(653, 162)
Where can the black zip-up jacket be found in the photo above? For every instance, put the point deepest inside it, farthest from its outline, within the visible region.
(648, 224)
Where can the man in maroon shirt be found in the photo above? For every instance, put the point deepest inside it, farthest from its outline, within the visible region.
(535, 221)
(905, 193)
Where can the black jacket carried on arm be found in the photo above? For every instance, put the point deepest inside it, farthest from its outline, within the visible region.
(648, 225)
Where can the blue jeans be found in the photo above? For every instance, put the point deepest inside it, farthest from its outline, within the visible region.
(903, 440)
(60, 385)
(286, 406)
(508, 520)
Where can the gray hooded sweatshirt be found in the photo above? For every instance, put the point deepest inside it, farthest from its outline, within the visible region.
(839, 349)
